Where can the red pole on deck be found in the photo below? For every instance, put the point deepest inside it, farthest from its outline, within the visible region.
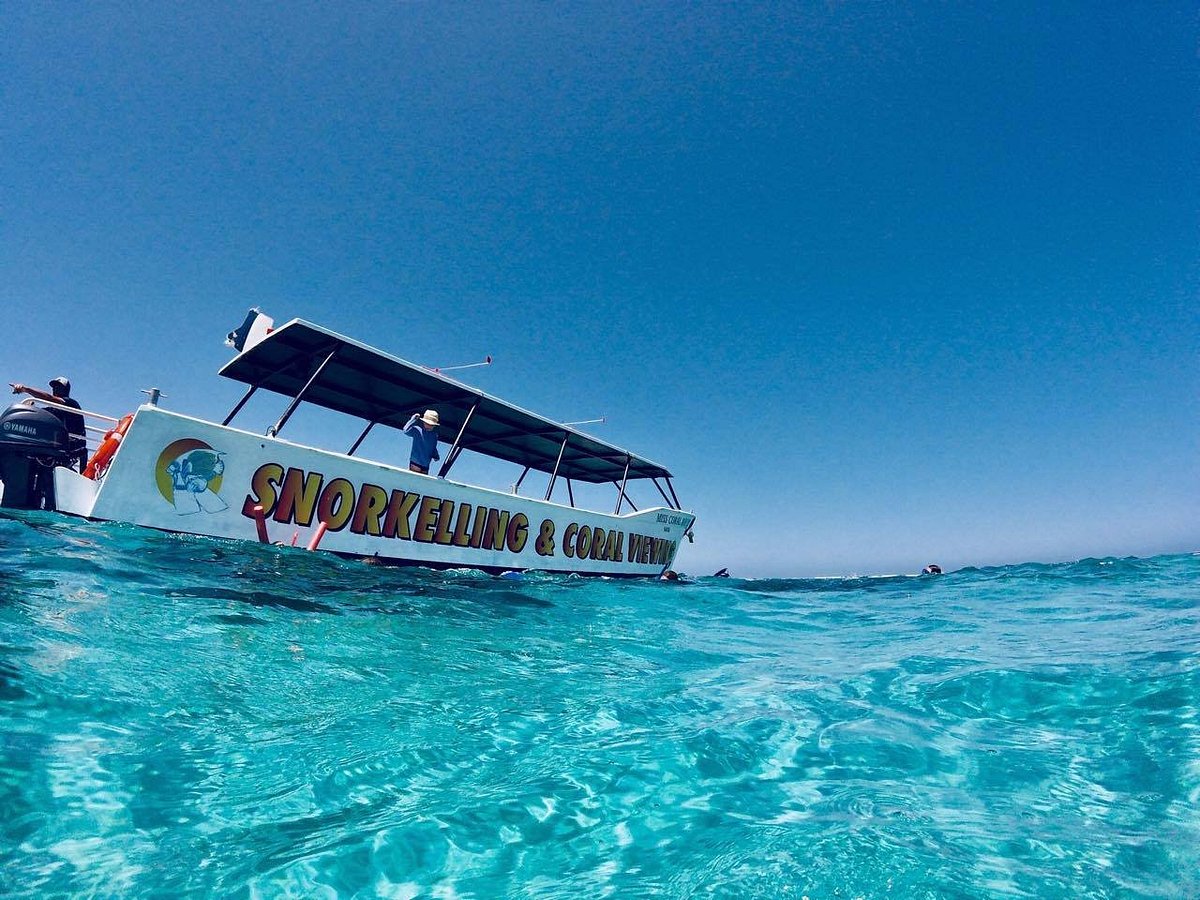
(260, 523)
(317, 535)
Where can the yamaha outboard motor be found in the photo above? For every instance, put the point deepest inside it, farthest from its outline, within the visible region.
(32, 442)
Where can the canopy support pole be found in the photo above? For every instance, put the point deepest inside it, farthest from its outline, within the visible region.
(238, 408)
(671, 488)
(557, 463)
(452, 456)
(664, 494)
(287, 413)
(362, 437)
(254, 387)
(570, 494)
(627, 500)
(452, 460)
(517, 486)
(621, 498)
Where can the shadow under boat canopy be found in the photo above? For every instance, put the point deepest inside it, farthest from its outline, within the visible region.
(314, 365)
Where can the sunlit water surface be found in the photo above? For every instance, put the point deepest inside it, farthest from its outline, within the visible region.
(188, 717)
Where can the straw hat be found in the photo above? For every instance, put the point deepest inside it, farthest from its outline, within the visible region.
(430, 417)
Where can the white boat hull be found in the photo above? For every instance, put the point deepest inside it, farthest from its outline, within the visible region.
(181, 474)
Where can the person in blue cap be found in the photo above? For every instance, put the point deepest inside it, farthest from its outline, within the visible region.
(423, 430)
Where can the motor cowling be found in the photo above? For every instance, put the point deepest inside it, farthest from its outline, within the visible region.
(32, 442)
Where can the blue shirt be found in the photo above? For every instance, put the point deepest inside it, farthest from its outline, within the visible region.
(424, 446)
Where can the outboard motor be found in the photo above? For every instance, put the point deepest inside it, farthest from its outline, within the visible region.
(32, 442)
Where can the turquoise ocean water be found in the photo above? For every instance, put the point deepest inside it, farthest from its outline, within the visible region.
(186, 717)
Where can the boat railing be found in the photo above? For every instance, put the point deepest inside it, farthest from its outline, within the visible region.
(92, 429)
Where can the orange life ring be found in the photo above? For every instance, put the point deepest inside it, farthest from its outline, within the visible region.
(98, 464)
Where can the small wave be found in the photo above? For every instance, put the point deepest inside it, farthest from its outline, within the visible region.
(187, 716)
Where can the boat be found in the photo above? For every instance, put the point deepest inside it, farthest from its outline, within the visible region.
(160, 469)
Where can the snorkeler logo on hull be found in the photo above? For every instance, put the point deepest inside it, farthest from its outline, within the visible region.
(189, 474)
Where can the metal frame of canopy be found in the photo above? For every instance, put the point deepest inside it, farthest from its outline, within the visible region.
(314, 365)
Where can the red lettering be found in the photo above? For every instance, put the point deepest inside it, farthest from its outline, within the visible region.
(263, 483)
(337, 503)
(298, 497)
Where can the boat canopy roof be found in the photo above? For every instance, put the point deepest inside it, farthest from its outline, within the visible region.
(352, 378)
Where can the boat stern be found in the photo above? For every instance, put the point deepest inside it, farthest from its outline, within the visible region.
(74, 494)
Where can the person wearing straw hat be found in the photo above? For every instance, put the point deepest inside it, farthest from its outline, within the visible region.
(60, 388)
(423, 430)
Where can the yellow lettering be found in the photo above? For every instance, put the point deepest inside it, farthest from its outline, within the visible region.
(441, 534)
(298, 497)
(477, 526)
(496, 530)
(610, 546)
(372, 500)
(583, 541)
(518, 532)
(427, 519)
(262, 486)
(461, 538)
(399, 511)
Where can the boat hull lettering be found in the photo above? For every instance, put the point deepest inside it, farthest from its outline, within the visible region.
(177, 473)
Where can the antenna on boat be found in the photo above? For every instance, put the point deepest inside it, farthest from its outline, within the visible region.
(487, 361)
(603, 420)
(155, 395)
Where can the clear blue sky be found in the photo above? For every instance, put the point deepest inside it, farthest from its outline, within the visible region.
(882, 284)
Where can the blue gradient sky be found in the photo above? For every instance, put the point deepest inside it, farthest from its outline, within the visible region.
(882, 286)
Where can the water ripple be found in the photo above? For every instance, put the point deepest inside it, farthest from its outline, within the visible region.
(186, 717)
